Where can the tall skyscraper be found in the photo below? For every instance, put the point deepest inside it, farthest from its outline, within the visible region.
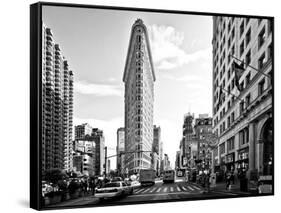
(82, 130)
(139, 78)
(120, 151)
(98, 137)
(85, 134)
(57, 105)
(187, 140)
(243, 115)
(157, 148)
(203, 131)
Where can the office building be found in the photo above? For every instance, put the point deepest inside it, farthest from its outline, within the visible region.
(120, 151)
(139, 78)
(83, 130)
(57, 105)
(243, 116)
(203, 132)
(187, 141)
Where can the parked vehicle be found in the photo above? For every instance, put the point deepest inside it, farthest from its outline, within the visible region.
(114, 189)
(147, 176)
(169, 176)
(265, 184)
(116, 179)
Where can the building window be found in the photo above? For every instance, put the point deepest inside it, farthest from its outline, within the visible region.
(270, 52)
(241, 137)
(248, 58)
(242, 28)
(261, 86)
(139, 38)
(228, 121)
(222, 148)
(269, 26)
(230, 144)
(261, 38)
(232, 50)
(261, 61)
(248, 78)
(247, 20)
(242, 85)
(228, 74)
(232, 117)
(248, 100)
(241, 107)
(241, 48)
(246, 135)
(248, 37)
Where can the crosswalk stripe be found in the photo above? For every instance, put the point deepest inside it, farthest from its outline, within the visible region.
(178, 189)
(171, 189)
(158, 190)
(152, 190)
(139, 191)
(184, 188)
(191, 188)
(145, 190)
(196, 187)
(165, 189)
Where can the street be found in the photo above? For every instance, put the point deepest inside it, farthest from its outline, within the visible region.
(180, 190)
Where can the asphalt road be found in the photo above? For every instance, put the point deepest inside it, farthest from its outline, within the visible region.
(179, 190)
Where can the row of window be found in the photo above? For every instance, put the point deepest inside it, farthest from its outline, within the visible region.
(243, 45)
(243, 137)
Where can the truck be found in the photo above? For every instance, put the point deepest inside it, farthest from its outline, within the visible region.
(147, 176)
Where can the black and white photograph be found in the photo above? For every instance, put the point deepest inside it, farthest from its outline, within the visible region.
(146, 106)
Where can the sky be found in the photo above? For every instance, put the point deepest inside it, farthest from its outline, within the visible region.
(95, 43)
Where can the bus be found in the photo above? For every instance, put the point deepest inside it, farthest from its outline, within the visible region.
(147, 176)
(169, 176)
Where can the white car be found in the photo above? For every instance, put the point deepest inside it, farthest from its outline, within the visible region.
(114, 189)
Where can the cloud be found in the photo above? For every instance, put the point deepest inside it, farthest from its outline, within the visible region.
(166, 48)
(84, 87)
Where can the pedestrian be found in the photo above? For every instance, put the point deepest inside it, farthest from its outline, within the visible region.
(85, 186)
(207, 182)
(93, 186)
(228, 176)
(232, 177)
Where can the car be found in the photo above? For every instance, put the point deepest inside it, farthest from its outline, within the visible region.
(114, 189)
(265, 185)
(116, 179)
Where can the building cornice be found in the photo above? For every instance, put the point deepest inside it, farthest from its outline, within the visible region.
(138, 23)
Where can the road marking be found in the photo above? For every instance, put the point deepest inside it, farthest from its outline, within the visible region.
(146, 190)
(196, 187)
(171, 189)
(178, 188)
(165, 189)
(184, 188)
(139, 191)
(152, 190)
(158, 190)
(157, 194)
(190, 188)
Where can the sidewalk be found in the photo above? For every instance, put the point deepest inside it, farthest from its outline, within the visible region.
(234, 188)
(77, 201)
